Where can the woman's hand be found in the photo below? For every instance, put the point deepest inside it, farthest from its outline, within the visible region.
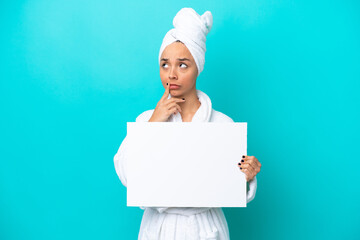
(250, 166)
(165, 107)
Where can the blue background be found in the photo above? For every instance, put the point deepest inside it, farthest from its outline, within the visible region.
(74, 72)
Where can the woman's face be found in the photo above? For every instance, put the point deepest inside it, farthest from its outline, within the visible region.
(177, 66)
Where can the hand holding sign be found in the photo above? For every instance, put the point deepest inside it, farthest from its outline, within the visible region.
(250, 166)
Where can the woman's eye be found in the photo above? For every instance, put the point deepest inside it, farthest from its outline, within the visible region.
(183, 64)
(164, 64)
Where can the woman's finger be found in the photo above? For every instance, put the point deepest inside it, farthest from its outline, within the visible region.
(166, 93)
(176, 108)
(252, 160)
(246, 157)
(174, 104)
(173, 100)
(247, 166)
(252, 163)
(249, 174)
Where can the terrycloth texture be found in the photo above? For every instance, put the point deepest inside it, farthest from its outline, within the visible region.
(191, 29)
(176, 223)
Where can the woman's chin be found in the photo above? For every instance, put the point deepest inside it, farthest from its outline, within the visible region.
(175, 92)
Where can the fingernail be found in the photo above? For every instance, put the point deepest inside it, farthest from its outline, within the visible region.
(243, 156)
(242, 160)
(239, 163)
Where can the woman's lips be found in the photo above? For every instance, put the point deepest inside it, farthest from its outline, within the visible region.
(174, 86)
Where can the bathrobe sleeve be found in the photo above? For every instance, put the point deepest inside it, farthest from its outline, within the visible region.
(251, 190)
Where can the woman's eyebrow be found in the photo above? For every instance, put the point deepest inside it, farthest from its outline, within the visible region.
(183, 59)
(179, 59)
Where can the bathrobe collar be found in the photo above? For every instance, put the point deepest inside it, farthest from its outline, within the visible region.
(203, 114)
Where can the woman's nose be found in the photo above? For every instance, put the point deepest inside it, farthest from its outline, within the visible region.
(172, 74)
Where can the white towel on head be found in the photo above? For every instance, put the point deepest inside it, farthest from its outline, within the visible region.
(191, 29)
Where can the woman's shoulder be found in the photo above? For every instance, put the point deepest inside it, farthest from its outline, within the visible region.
(217, 116)
(144, 116)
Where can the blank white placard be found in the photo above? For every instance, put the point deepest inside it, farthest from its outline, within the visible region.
(186, 164)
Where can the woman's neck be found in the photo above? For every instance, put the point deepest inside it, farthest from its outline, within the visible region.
(190, 106)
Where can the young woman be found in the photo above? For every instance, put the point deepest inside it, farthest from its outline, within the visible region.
(182, 58)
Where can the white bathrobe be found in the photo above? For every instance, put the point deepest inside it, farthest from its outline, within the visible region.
(179, 223)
